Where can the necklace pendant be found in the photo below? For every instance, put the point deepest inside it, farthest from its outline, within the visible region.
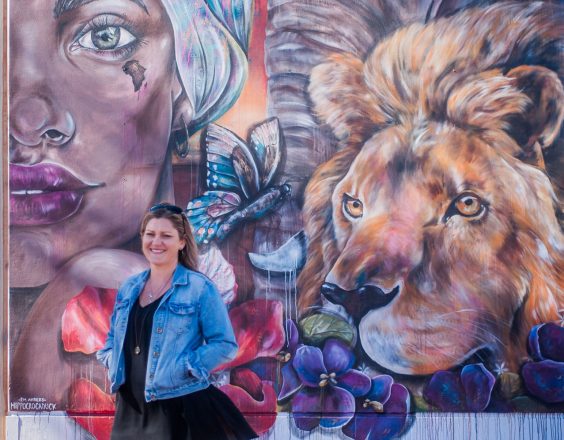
(137, 350)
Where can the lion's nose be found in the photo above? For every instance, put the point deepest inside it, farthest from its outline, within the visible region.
(359, 301)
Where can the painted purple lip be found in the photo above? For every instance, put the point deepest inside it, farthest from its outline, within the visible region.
(43, 194)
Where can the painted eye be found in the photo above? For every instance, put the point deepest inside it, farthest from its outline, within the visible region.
(352, 207)
(106, 38)
(466, 205)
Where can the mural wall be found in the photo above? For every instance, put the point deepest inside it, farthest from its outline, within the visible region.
(376, 187)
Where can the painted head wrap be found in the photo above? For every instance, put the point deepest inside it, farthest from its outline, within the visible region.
(211, 42)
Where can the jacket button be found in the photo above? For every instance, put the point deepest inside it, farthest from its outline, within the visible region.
(156, 354)
(151, 376)
(159, 330)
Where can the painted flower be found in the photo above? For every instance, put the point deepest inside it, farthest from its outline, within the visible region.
(260, 334)
(382, 413)
(86, 320)
(546, 341)
(255, 398)
(290, 381)
(470, 390)
(91, 408)
(259, 330)
(544, 379)
(213, 264)
(330, 385)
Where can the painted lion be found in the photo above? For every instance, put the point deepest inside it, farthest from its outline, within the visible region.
(436, 226)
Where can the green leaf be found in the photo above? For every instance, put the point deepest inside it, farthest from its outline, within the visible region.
(321, 326)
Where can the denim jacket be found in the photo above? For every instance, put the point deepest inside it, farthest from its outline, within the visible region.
(191, 335)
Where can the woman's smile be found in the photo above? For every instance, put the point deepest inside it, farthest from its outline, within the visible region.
(161, 242)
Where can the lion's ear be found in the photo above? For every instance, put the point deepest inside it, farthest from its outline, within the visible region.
(342, 99)
(527, 103)
(538, 125)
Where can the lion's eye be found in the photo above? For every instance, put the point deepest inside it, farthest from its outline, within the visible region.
(467, 205)
(353, 207)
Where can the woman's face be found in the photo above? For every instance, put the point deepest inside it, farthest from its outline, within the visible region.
(92, 85)
(161, 243)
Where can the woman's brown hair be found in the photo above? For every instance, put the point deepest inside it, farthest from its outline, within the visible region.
(188, 256)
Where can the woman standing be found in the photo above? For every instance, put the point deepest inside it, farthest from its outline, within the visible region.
(169, 330)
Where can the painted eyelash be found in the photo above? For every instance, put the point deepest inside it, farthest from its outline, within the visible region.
(108, 20)
(105, 20)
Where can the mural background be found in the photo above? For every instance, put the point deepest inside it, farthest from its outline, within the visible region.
(154, 130)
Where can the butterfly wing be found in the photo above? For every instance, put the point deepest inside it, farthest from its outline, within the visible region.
(207, 212)
(247, 171)
(266, 140)
(231, 165)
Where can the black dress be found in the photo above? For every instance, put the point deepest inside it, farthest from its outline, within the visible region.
(203, 415)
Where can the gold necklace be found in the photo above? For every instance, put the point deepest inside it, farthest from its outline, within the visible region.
(137, 349)
(155, 296)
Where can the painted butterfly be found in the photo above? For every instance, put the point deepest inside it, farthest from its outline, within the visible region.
(238, 180)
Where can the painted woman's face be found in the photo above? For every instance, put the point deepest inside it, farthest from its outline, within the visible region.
(92, 85)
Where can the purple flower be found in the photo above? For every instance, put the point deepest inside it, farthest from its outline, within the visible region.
(382, 414)
(545, 379)
(546, 341)
(468, 391)
(330, 385)
(290, 381)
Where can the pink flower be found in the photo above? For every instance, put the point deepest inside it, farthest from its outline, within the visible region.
(255, 398)
(259, 330)
(213, 264)
(86, 320)
(91, 408)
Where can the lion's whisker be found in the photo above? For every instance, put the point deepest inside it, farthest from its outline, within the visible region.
(488, 338)
(483, 317)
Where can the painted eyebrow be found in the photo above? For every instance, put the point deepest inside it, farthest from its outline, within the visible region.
(63, 6)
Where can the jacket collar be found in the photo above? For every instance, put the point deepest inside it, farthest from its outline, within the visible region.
(180, 277)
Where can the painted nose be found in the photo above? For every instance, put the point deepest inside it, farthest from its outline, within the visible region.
(358, 302)
(35, 120)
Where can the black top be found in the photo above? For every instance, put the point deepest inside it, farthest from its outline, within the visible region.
(203, 415)
(138, 337)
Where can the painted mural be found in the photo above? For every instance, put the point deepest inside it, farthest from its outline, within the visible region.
(376, 188)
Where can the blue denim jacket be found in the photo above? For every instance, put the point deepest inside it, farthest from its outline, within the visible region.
(191, 335)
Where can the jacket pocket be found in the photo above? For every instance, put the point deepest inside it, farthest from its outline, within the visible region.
(183, 317)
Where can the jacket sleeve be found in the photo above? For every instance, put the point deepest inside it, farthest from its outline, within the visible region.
(220, 344)
(104, 355)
